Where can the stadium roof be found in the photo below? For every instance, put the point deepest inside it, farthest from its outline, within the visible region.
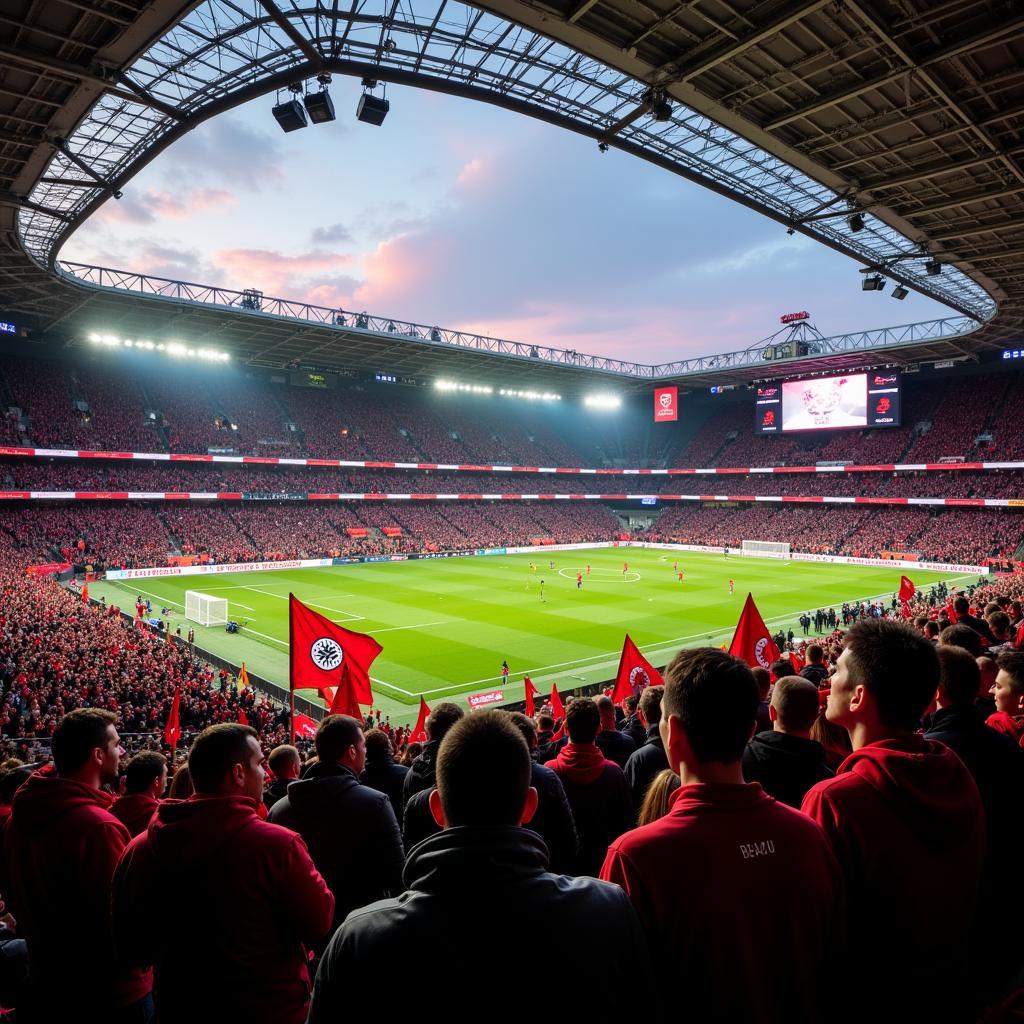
(907, 112)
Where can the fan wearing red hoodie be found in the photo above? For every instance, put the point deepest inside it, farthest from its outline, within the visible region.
(145, 779)
(61, 847)
(905, 820)
(259, 900)
(739, 895)
(1008, 691)
(596, 788)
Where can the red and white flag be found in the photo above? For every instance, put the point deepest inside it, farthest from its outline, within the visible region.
(531, 692)
(906, 595)
(419, 730)
(305, 727)
(752, 642)
(796, 661)
(323, 655)
(635, 672)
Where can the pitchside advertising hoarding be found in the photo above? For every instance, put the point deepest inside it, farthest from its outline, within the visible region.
(666, 405)
(849, 401)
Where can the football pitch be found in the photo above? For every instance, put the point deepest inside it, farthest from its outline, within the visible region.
(447, 624)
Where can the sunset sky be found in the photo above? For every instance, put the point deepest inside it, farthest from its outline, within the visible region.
(467, 216)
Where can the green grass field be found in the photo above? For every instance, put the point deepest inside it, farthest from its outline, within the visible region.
(446, 624)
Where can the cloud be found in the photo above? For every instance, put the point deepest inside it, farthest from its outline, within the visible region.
(307, 276)
(331, 233)
(151, 206)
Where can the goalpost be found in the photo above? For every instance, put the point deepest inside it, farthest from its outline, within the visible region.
(206, 609)
(765, 549)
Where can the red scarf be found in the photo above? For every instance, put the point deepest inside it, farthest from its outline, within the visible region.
(582, 763)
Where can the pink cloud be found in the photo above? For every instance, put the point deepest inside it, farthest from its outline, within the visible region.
(308, 276)
(152, 205)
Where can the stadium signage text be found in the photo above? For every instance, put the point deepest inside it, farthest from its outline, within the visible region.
(791, 318)
(481, 700)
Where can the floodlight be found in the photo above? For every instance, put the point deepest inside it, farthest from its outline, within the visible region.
(933, 268)
(873, 283)
(856, 221)
(372, 109)
(319, 106)
(899, 292)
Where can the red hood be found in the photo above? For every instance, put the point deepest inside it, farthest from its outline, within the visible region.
(917, 777)
(45, 798)
(190, 832)
(582, 763)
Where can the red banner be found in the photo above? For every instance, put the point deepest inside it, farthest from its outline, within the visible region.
(481, 700)
(391, 531)
(47, 568)
(357, 531)
(666, 405)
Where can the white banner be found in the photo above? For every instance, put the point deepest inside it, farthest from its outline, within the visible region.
(208, 570)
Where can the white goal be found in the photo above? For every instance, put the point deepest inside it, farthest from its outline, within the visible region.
(206, 609)
(765, 549)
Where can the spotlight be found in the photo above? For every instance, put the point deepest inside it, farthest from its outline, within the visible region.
(872, 283)
(933, 268)
(856, 221)
(319, 106)
(899, 292)
(661, 110)
(372, 109)
(290, 115)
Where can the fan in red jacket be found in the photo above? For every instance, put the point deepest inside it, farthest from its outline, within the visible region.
(221, 902)
(905, 820)
(144, 784)
(61, 847)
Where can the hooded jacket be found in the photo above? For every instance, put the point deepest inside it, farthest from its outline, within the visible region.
(644, 765)
(599, 797)
(785, 765)
(135, 810)
(61, 847)
(351, 833)
(222, 903)
(905, 821)
(476, 895)
(423, 771)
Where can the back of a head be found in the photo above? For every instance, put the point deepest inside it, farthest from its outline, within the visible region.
(12, 779)
(483, 771)
(378, 745)
(931, 629)
(795, 700)
(441, 719)
(959, 677)
(655, 802)
(629, 705)
(715, 698)
(763, 677)
(815, 654)
(545, 723)
(582, 720)
(998, 621)
(284, 761)
(961, 606)
(77, 735)
(897, 666)
(650, 704)
(605, 708)
(526, 726)
(334, 735)
(181, 787)
(961, 636)
(143, 770)
(215, 751)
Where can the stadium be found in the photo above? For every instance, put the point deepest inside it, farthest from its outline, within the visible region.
(203, 484)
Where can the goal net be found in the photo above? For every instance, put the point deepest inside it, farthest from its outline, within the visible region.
(765, 549)
(205, 609)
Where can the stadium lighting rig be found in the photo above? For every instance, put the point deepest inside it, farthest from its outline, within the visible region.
(532, 396)
(172, 348)
(486, 389)
(604, 402)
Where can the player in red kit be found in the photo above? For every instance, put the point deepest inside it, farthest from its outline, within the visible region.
(588, 568)
(625, 568)
(579, 581)
(680, 575)
(732, 586)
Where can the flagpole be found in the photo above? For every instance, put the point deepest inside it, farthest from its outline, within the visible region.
(291, 719)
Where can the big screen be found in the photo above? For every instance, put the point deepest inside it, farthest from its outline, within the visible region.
(850, 400)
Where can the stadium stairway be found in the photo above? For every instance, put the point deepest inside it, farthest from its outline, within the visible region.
(156, 426)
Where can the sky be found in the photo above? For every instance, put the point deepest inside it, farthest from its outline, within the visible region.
(463, 215)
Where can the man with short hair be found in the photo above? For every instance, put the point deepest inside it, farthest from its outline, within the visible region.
(699, 876)
(286, 765)
(961, 635)
(382, 773)
(785, 760)
(905, 820)
(257, 900)
(650, 759)
(145, 779)
(596, 787)
(962, 607)
(631, 725)
(481, 886)
(421, 771)
(615, 745)
(350, 829)
(61, 847)
(815, 669)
